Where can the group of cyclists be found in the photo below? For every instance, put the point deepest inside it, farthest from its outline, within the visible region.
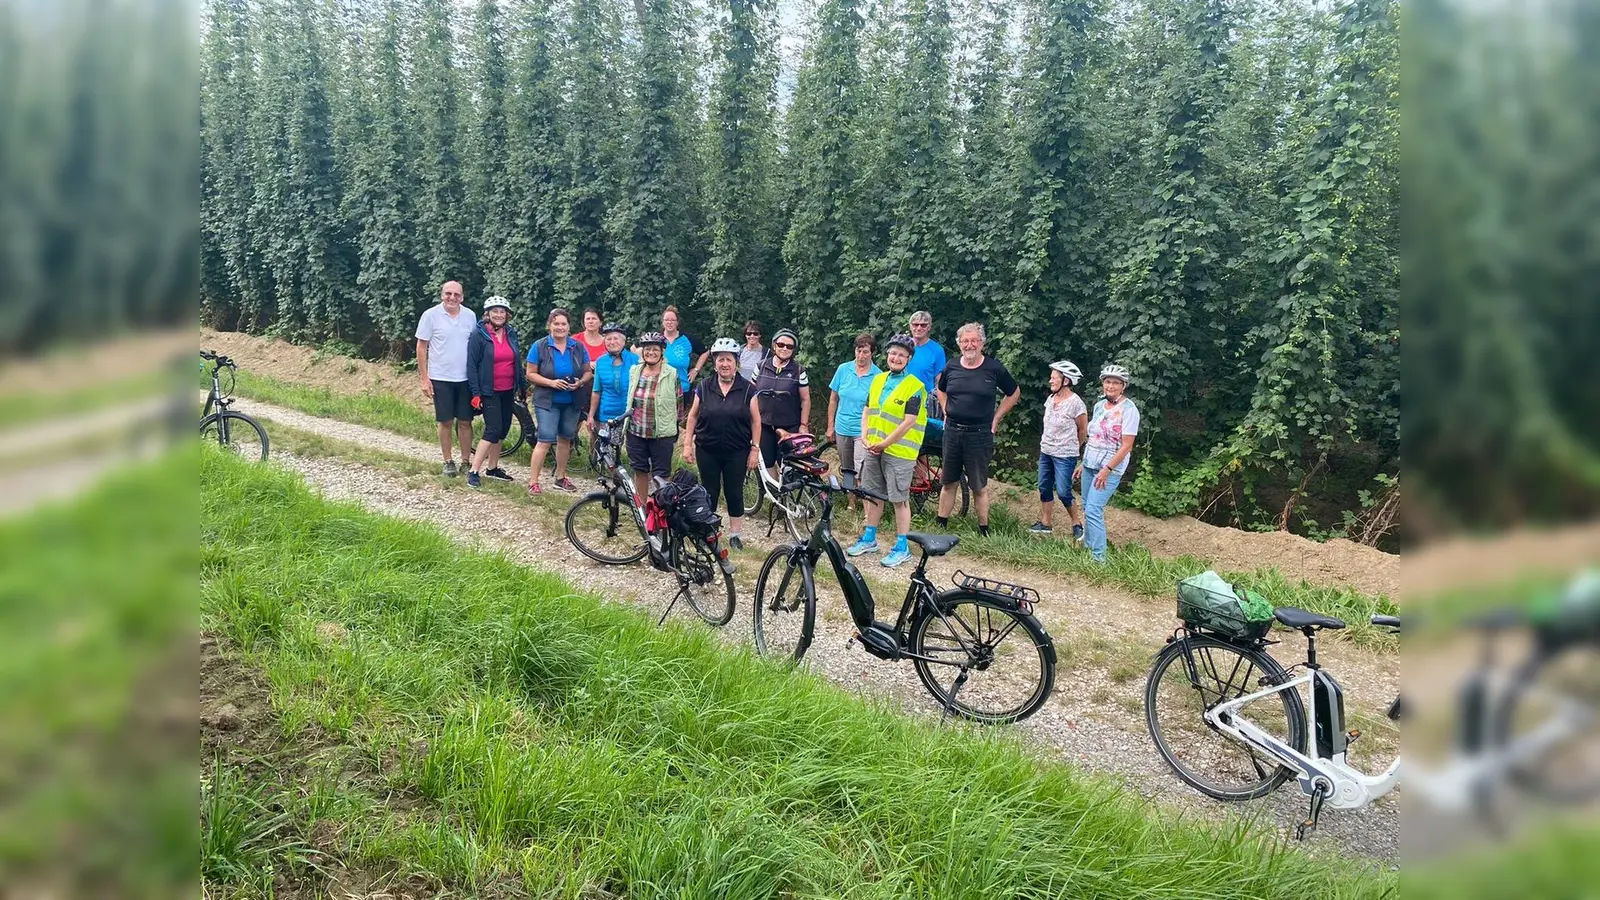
(757, 394)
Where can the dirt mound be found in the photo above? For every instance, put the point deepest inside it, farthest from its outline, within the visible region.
(304, 365)
(1335, 562)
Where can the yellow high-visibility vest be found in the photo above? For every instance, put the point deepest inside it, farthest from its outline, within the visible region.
(884, 415)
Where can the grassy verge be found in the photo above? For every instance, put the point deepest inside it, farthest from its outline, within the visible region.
(31, 407)
(1556, 862)
(568, 746)
(97, 689)
(1130, 566)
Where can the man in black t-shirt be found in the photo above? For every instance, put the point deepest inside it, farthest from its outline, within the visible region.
(967, 388)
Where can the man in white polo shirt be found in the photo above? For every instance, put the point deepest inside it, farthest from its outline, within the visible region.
(442, 336)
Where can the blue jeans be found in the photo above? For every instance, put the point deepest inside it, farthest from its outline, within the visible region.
(560, 420)
(1055, 478)
(1094, 511)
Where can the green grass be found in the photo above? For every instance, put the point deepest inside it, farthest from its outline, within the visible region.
(97, 607)
(18, 409)
(374, 409)
(1554, 862)
(571, 746)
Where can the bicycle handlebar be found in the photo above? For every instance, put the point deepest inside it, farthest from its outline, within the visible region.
(218, 358)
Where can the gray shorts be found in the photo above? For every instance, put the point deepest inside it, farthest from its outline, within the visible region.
(851, 451)
(888, 475)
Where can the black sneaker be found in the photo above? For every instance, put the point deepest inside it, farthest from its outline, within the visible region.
(1039, 528)
(983, 530)
(734, 543)
(450, 468)
(473, 480)
(499, 473)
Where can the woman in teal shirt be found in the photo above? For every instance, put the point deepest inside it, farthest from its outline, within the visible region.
(610, 398)
(847, 402)
(683, 353)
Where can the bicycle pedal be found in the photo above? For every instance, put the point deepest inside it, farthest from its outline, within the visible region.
(1303, 828)
(1351, 736)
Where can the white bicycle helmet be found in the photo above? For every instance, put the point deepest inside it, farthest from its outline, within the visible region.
(499, 301)
(1070, 372)
(1111, 370)
(725, 345)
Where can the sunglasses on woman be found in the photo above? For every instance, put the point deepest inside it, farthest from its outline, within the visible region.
(783, 346)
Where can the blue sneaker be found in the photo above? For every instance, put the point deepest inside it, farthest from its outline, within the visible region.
(862, 546)
(896, 557)
(473, 479)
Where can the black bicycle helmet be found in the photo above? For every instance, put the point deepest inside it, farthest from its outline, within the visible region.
(613, 328)
(904, 341)
(652, 337)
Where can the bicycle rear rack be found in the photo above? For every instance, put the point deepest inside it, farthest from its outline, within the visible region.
(1021, 593)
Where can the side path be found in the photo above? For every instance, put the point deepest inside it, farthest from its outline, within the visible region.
(1093, 720)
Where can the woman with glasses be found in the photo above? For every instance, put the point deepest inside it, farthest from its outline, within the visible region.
(753, 353)
(788, 411)
(719, 437)
(847, 400)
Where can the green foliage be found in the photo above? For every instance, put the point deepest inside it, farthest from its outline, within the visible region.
(1204, 191)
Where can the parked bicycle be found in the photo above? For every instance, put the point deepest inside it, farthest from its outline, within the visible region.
(784, 494)
(611, 527)
(1533, 725)
(231, 429)
(1216, 665)
(977, 648)
(929, 469)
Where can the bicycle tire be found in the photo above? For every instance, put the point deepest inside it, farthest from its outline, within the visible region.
(517, 435)
(989, 624)
(220, 424)
(755, 493)
(920, 499)
(774, 607)
(1529, 697)
(716, 600)
(618, 524)
(1200, 742)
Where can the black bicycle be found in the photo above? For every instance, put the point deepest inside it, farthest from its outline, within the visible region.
(523, 431)
(977, 648)
(611, 527)
(231, 429)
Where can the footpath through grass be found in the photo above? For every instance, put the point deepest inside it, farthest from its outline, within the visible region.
(544, 742)
(1129, 565)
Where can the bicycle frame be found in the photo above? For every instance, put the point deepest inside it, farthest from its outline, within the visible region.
(878, 638)
(1327, 770)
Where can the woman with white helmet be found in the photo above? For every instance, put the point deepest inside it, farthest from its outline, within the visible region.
(721, 433)
(494, 379)
(1066, 430)
(1112, 430)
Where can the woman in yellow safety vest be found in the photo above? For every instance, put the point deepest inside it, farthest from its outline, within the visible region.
(895, 421)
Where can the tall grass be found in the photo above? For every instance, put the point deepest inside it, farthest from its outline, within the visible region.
(574, 746)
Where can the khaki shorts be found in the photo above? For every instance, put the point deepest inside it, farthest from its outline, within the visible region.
(888, 475)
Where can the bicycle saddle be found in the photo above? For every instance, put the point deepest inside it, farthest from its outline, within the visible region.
(1300, 619)
(934, 544)
(1386, 621)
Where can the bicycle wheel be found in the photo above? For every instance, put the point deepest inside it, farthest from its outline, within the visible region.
(755, 494)
(602, 527)
(785, 608)
(1552, 709)
(1206, 759)
(517, 435)
(237, 432)
(924, 485)
(710, 586)
(1008, 659)
(807, 505)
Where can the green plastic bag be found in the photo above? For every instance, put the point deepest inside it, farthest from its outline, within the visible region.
(1209, 603)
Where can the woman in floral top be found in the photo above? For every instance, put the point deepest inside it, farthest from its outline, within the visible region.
(1112, 430)
(1066, 430)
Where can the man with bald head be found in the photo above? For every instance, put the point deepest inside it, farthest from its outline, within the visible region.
(442, 336)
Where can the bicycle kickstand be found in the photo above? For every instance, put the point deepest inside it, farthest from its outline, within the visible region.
(961, 678)
(683, 590)
(1319, 793)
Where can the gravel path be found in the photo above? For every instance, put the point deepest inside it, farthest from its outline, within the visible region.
(1094, 719)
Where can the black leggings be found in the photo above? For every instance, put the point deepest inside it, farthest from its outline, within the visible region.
(496, 416)
(724, 473)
